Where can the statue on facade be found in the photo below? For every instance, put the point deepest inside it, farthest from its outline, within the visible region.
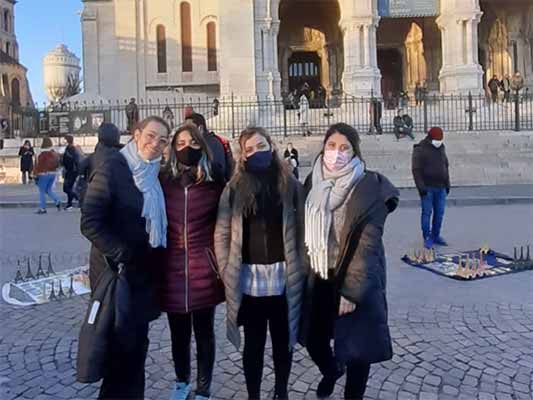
(132, 114)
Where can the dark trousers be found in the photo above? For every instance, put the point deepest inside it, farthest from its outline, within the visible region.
(181, 326)
(255, 314)
(325, 302)
(434, 202)
(68, 185)
(26, 175)
(125, 376)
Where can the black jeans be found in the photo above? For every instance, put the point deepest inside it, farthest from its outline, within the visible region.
(321, 331)
(26, 176)
(255, 314)
(125, 376)
(181, 325)
(68, 185)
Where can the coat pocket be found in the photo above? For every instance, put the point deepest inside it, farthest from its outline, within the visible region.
(212, 260)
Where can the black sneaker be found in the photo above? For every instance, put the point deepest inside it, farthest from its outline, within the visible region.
(58, 206)
(40, 211)
(69, 208)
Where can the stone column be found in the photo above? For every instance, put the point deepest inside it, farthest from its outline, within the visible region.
(91, 53)
(458, 23)
(361, 73)
(268, 78)
(237, 58)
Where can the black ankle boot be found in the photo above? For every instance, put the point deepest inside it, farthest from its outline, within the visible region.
(327, 384)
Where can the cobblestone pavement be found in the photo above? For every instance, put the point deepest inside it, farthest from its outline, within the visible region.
(452, 340)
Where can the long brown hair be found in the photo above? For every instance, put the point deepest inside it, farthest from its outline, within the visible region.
(246, 184)
(204, 171)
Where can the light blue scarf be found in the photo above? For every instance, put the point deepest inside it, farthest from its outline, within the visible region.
(145, 175)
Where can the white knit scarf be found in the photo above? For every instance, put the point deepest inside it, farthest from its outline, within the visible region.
(145, 175)
(328, 193)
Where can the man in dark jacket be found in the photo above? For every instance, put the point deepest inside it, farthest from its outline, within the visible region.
(108, 143)
(432, 179)
(71, 160)
(219, 146)
(494, 85)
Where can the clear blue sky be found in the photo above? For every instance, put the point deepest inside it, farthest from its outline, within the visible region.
(40, 26)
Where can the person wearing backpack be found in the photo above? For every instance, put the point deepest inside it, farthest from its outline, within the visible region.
(71, 160)
(219, 146)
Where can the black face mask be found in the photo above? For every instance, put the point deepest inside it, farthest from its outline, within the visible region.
(189, 156)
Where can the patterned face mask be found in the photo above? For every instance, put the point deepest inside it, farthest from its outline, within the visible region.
(336, 160)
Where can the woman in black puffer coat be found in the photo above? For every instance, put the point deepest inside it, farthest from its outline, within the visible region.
(345, 214)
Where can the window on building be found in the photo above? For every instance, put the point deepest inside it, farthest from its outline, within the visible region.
(15, 92)
(211, 46)
(6, 20)
(186, 37)
(8, 48)
(161, 49)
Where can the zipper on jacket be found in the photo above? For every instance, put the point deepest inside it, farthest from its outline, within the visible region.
(186, 242)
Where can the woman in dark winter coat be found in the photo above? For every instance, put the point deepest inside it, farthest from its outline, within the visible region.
(191, 286)
(124, 218)
(345, 214)
(259, 248)
(26, 154)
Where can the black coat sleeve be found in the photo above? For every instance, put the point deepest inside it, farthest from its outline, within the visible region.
(418, 168)
(447, 172)
(96, 216)
(364, 273)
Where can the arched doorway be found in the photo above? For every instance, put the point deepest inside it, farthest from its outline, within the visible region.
(15, 92)
(310, 46)
(499, 57)
(391, 67)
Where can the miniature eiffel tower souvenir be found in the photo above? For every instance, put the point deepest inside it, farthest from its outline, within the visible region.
(52, 296)
(29, 274)
(40, 272)
(50, 270)
(60, 293)
(71, 291)
(18, 276)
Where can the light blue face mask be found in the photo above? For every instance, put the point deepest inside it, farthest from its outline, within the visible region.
(436, 143)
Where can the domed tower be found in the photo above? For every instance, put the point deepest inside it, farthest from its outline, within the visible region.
(61, 74)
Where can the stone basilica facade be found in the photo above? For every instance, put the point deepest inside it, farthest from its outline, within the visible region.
(267, 48)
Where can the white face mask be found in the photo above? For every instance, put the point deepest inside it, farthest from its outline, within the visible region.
(436, 143)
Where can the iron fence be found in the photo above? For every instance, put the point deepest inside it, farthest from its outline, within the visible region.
(228, 116)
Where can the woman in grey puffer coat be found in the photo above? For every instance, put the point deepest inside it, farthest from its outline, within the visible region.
(259, 249)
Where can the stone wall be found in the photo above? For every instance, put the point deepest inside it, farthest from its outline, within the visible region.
(476, 159)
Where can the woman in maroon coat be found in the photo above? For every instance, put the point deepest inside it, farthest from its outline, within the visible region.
(191, 286)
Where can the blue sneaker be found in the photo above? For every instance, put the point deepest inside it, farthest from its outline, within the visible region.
(181, 391)
(428, 243)
(439, 241)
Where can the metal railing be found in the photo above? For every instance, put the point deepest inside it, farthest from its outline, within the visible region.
(228, 116)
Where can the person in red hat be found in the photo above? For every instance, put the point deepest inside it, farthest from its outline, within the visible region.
(431, 174)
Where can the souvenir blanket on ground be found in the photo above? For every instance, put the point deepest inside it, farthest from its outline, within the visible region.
(471, 265)
(46, 286)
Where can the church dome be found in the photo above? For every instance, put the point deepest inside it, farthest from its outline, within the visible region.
(60, 65)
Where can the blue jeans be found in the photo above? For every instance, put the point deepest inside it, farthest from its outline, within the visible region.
(434, 202)
(46, 184)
